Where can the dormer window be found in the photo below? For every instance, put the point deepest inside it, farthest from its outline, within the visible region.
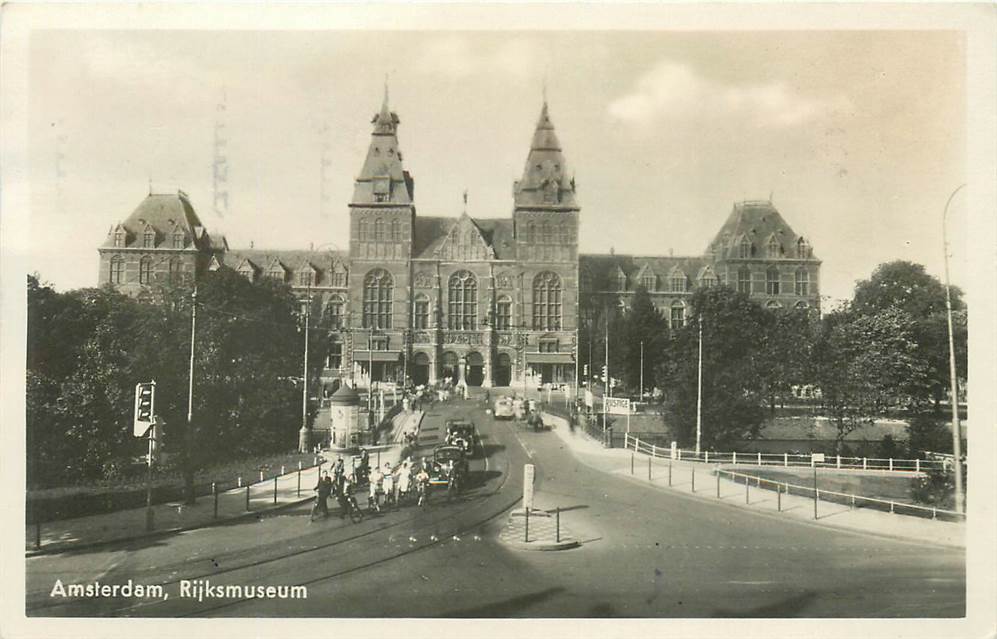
(678, 281)
(119, 238)
(774, 248)
(744, 249)
(149, 239)
(648, 281)
(277, 274)
(306, 278)
(803, 249)
(247, 273)
(178, 240)
(382, 189)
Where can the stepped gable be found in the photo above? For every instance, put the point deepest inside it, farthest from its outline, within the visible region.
(546, 181)
(759, 222)
(165, 214)
(383, 179)
(292, 260)
(431, 233)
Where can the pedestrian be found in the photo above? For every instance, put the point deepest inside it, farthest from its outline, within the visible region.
(375, 478)
(404, 480)
(324, 489)
(388, 486)
(339, 468)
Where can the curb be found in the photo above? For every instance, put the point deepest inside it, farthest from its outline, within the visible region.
(543, 545)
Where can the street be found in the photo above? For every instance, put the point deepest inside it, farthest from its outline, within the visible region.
(645, 553)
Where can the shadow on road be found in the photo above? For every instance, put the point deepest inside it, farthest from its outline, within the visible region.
(508, 607)
(791, 607)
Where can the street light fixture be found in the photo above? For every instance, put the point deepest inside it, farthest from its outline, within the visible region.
(960, 504)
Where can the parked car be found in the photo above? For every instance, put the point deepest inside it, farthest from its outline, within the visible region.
(504, 408)
(462, 433)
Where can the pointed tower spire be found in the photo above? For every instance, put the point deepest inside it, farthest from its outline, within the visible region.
(545, 181)
(382, 178)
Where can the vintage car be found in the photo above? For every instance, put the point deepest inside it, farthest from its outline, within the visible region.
(504, 408)
(448, 460)
(462, 433)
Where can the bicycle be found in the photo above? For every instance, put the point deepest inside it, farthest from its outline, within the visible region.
(423, 490)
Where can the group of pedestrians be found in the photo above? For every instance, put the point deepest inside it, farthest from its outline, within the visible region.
(387, 487)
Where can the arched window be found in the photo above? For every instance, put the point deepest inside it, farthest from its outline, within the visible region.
(420, 312)
(774, 248)
(362, 231)
(745, 249)
(175, 271)
(547, 235)
(649, 281)
(744, 281)
(396, 233)
(178, 240)
(503, 313)
(378, 288)
(678, 281)
(119, 238)
(378, 230)
(306, 278)
(803, 249)
(117, 271)
(801, 306)
(334, 313)
(547, 302)
(773, 304)
(145, 270)
(677, 316)
(463, 301)
(772, 281)
(802, 282)
(149, 239)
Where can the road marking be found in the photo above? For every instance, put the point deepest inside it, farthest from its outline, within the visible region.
(751, 583)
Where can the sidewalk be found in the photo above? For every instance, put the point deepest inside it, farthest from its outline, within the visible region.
(252, 500)
(617, 462)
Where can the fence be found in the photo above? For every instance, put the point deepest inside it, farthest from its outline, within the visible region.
(635, 441)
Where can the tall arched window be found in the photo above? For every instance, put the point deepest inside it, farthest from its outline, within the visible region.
(395, 231)
(744, 281)
(334, 311)
(149, 239)
(117, 271)
(772, 281)
(145, 270)
(463, 300)
(378, 230)
(178, 240)
(362, 232)
(774, 248)
(377, 291)
(420, 312)
(802, 282)
(503, 313)
(745, 249)
(803, 249)
(547, 302)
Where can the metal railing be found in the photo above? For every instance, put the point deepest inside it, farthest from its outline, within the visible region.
(837, 462)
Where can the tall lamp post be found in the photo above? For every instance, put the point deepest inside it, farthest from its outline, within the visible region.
(699, 389)
(960, 501)
(304, 435)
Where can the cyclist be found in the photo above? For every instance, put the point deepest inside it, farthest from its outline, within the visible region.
(422, 485)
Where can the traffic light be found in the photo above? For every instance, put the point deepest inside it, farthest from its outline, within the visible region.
(605, 373)
(586, 370)
(145, 405)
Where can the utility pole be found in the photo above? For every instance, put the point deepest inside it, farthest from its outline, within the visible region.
(699, 390)
(304, 439)
(605, 393)
(641, 394)
(960, 501)
(189, 438)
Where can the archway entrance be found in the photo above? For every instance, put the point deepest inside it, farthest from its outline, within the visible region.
(420, 369)
(448, 366)
(503, 370)
(475, 369)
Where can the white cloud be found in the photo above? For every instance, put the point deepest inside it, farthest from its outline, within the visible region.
(673, 91)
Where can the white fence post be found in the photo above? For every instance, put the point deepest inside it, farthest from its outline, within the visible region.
(735, 458)
(680, 454)
(863, 463)
(759, 459)
(636, 444)
(891, 463)
(917, 465)
(838, 462)
(707, 457)
(654, 451)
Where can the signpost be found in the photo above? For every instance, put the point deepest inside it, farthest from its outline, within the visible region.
(618, 406)
(529, 472)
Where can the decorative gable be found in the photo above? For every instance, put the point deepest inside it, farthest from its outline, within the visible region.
(464, 242)
(307, 275)
(148, 238)
(246, 269)
(647, 278)
(619, 278)
(276, 270)
(214, 264)
(678, 280)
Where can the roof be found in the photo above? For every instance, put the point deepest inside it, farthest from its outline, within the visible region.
(758, 221)
(165, 214)
(345, 395)
(293, 261)
(382, 178)
(545, 182)
(603, 269)
(430, 233)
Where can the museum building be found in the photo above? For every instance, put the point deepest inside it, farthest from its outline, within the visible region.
(492, 301)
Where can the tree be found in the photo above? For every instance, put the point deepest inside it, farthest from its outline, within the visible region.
(733, 394)
(786, 355)
(643, 325)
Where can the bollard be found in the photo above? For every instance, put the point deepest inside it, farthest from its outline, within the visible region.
(282, 470)
(785, 460)
(261, 475)
(275, 489)
(631, 463)
(636, 444)
(934, 513)
(693, 479)
(648, 469)
(917, 465)
(891, 463)
(680, 454)
(759, 481)
(526, 530)
(557, 527)
(838, 461)
(778, 497)
(707, 456)
(747, 487)
(718, 482)
(863, 463)
(247, 497)
(299, 481)
(239, 480)
(891, 507)
(734, 458)
(299, 464)
(669, 473)
(759, 459)
(214, 491)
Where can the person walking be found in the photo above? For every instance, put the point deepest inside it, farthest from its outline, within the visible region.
(324, 489)
(376, 480)
(388, 486)
(404, 481)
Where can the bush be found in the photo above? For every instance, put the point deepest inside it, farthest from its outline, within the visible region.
(936, 487)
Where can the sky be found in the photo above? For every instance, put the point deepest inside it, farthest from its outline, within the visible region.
(858, 137)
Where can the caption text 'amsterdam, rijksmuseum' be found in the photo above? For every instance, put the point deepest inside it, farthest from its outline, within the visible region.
(493, 300)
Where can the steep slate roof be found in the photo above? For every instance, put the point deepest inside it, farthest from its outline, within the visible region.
(292, 260)
(756, 220)
(602, 269)
(384, 160)
(431, 232)
(545, 179)
(164, 213)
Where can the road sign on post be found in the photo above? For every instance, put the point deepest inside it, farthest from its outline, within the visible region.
(617, 405)
(529, 472)
(145, 406)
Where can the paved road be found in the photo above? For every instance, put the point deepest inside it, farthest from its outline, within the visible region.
(646, 553)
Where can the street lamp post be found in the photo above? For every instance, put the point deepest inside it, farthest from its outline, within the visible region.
(191, 496)
(304, 435)
(960, 504)
(699, 390)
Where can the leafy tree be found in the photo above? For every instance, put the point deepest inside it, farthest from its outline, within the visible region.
(642, 324)
(733, 393)
(786, 353)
